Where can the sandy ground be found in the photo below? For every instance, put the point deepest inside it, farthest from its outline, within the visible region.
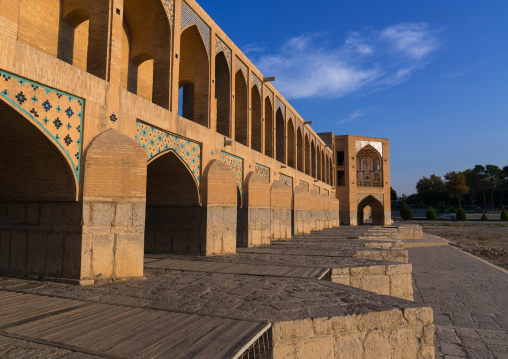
(486, 241)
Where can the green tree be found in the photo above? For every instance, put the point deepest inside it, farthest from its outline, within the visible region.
(451, 209)
(393, 194)
(504, 215)
(461, 215)
(484, 217)
(431, 190)
(493, 181)
(441, 207)
(431, 214)
(456, 185)
(405, 212)
(478, 179)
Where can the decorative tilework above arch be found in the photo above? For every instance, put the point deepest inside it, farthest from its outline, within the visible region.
(57, 114)
(269, 94)
(287, 180)
(169, 6)
(236, 164)
(263, 171)
(361, 196)
(327, 192)
(304, 184)
(256, 81)
(221, 46)
(189, 17)
(291, 115)
(280, 104)
(378, 146)
(156, 141)
(239, 65)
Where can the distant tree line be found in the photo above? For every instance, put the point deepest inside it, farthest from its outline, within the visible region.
(485, 187)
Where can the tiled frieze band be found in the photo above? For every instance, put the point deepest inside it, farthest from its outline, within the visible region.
(57, 114)
(256, 81)
(236, 164)
(361, 196)
(169, 6)
(263, 171)
(287, 180)
(156, 141)
(280, 104)
(189, 17)
(304, 184)
(239, 65)
(269, 94)
(221, 46)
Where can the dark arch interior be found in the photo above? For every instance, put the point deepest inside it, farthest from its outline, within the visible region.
(256, 119)
(268, 128)
(291, 144)
(377, 211)
(280, 138)
(222, 94)
(174, 217)
(240, 108)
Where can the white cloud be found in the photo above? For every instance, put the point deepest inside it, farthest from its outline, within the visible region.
(254, 48)
(310, 65)
(357, 114)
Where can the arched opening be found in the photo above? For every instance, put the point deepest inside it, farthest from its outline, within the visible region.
(268, 127)
(369, 171)
(256, 123)
(307, 156)
(280, 137)
(145, 64)
(194, 76)
(174, 216)
(291, 144)
(240, 108)
(73, 39)
(41, 219)
(318, 162)
(376, 210)
(223, 94)
(299, 150)
(330, 171)
(322, 165)
(313, 159)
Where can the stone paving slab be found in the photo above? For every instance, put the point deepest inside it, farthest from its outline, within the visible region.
(470, 302)
(429, 240)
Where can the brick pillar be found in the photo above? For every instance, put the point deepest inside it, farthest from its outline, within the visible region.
(280, 203)
(301, 211)
(9, 14)
(316, 211)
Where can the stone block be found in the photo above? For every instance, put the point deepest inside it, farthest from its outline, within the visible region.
(284, 351)
(16, 213)
(349, 346)
(138, 213)
(72, 255)
(55, 254)
(426, 352)
(386, 319)
(404, 343)
(377, 345)
(123, 215)
(36, 261)
(103, 213)
(399, 268)
(87, 213)
(419, 316)
(401, 286)
(3, 213)
(5, 250)
(368, 270)
(32, 213)
(292, 329)
(86, 270)
(129, 255)
(102, 256)
(316, 347)
(18, 251)
(379, 284)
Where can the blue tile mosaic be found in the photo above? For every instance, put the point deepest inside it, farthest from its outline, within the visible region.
(236, 164)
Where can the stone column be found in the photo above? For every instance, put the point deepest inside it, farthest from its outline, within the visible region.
(301, 211)
(280, 203)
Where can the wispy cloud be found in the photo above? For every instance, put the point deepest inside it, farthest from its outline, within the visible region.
(254, 48)
(357, 114)
(310, 65)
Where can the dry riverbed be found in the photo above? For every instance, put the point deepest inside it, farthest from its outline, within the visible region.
(489, 242)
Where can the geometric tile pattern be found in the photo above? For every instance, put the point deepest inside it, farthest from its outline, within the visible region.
(239, 65)
(269, 93)
(189, 17)
(377, 145)
(287, 180)
(170, 9)
(280, 104)
(221, 46)
(361, 196)
(317, 188)
(291, 115)
(256, 81)
(263, 171)
(236, 164)
(156, 141)
(56, 113)
(304, 184)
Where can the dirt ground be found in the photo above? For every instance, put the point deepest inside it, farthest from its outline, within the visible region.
(487, 241)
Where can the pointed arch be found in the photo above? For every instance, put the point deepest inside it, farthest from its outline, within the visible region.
(256, 122)
(241, 126)
(223, 94)
(299, 150)
(194, 76)
(280, 136)
(308, 167)
(378, 214)
(319, 162)
(268, 127)
(291, 144)
(313, 159)
(73, 38)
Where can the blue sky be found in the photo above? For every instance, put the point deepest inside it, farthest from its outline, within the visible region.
(432, 76)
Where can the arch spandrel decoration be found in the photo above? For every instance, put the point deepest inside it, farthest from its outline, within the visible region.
(236, 164)
(156, 142)
(287, 180)
(304, 184)
(317, 188)
(361, 196)
(327, 192)
(57, 114)
(263, 171)
(256, 81)
(239, 65)
(291, 115)
(189, 17)
(169, 6)
(221, 46)
(280, 104)
(269, 94)
(378, 146)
